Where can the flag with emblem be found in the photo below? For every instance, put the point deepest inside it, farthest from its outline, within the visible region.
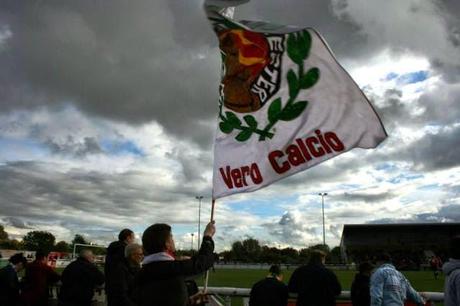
(285, 103)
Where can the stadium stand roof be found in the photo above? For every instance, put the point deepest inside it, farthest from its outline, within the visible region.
(399, 237)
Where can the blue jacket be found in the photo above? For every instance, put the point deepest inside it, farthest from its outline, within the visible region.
(452, 286)
(389, 287)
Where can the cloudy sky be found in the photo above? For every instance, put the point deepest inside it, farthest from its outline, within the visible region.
(108, 112)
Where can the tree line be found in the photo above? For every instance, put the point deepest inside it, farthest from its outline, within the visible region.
(251, 251)
(246, 251)
(43, 241)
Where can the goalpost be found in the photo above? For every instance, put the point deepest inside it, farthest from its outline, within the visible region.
(85, 245)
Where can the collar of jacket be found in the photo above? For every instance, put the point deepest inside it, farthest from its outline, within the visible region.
(388, 265)
(161, 256)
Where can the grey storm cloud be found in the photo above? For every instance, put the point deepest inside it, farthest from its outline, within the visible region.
(290, 229)
(41, 191)
(363, 197)
(143, 61)
(435, 151)
(120, 61)
(441, 107)
(156, 60)
(193, 165)
(89, 145)
(17, 222)
(447, 213)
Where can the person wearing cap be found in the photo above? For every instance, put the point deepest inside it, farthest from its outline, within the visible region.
(271, 291)
(9, 283)
(360, 288)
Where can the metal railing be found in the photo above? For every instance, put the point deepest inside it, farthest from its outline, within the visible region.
(225, 294)
(228, 292)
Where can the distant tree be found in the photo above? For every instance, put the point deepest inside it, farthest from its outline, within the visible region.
(270, 255)
(63, 247)
(227, 256)
(248, 250)
(12, 244)
(3, 234)
(237, 251)
(79, 239)
(336, 255)
(304, 255)
(289, 255)
(39, 240)
(252, 249)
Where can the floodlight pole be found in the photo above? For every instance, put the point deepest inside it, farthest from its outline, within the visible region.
(323, 194)
(192, 240)
(199, 198)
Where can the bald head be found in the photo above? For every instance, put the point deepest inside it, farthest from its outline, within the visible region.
(87, 254)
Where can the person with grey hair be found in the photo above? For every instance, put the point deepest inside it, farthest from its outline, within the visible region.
(79, 279)
(122, 277)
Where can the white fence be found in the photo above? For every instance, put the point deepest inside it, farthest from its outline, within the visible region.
(226, 293)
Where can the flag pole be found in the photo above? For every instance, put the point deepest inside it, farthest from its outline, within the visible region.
(207, 272)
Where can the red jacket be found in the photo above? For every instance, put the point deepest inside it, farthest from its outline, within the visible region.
(38, 277)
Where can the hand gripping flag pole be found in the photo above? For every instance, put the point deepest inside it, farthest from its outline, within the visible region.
(207, 272)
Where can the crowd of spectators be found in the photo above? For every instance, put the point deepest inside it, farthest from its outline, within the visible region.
(151, 275)
(134, 275)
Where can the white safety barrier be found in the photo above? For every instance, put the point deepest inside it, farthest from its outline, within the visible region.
(228, 292)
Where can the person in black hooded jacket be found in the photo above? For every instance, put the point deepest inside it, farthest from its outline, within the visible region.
(162, 279)
(115, 256)
(314, 283)
(360, 288)
(9, 283)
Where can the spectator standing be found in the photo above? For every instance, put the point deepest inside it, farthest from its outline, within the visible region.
(161, 280)
(79, 279)
(270, 291)
(115, 255)
(9, 283)
(389, 287)
(38, 277)
(360, 288)
(436, 265)
(123, 275)
(452, 271)
(314, 283)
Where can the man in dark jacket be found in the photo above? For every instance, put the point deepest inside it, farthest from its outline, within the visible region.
(38, 277)
(9, 283)
(79, 279)
(161, 280)
(270, 291)
(314, 283)
(115, 255)
(123, 275)
(360, 288)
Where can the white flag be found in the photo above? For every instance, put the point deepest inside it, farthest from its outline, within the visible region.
(285, 103)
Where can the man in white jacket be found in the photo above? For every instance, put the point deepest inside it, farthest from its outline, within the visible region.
(452, 271)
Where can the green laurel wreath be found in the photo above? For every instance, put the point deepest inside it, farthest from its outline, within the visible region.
(298, 49)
